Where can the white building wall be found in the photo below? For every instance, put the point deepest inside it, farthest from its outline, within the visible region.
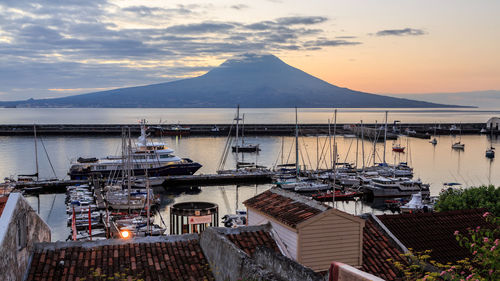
(288, 237)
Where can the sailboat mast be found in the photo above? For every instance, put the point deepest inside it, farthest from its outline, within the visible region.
(297, 166)
(243, 130)
(129, 170)
(385, 132)
(375, 142)
(363, 144)
(357, 150)
(330, 141)
(36, 152)
(334, 151)
(237, 132)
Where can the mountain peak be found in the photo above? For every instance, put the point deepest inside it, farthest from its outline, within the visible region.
(250, 79)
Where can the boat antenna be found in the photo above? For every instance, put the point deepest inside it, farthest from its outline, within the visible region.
(237, 132)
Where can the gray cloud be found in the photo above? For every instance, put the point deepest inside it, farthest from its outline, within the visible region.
(239, 7)
(301, 20)
(331, 43)
(400, 32)
(75, 44)
(150, 11)
(197, 28)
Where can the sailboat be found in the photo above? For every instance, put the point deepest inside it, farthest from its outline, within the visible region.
(434, 140)
(243, 147)
(490, 152)
(459, 144)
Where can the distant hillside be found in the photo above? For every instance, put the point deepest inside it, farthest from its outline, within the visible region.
(249, 80)
(483, 99)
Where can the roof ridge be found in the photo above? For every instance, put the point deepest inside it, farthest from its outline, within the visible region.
(110, 242)
(300, 198)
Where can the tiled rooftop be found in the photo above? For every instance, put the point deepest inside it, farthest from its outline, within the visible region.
(434, 231)
(290, 210)
(376, 251)
(145, 258)
(3, 201)
(248, 241)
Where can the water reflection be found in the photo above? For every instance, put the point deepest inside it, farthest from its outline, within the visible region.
(434, 164)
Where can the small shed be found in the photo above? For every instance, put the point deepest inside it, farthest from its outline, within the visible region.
(309, 232)
(493, 123)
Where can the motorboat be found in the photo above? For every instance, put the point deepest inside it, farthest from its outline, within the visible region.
(339, 195)
(416, 204)
(154, 157)
(398, 148)
(308, 186)
(490, 152)
(395, 187)
(458, 145)
(235, 220)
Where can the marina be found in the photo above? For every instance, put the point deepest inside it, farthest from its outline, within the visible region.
(365, 165)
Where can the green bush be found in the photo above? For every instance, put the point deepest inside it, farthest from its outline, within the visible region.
(470, 198)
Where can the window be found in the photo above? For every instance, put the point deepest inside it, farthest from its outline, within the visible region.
(22, 230)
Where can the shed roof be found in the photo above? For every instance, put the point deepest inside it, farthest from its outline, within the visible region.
(435, 231)
(286, 207)
(150, 258)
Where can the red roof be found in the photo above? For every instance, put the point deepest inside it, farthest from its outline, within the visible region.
(248, 241)
(376, 251)
(288, 210)
(3, 202)
(434, 231)
(171, 260)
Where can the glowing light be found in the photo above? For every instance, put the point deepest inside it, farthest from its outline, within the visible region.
(125, 234)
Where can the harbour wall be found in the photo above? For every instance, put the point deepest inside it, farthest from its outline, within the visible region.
(224, 129)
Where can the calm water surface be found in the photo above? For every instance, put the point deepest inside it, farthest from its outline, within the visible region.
(225, 115)
(433, 164)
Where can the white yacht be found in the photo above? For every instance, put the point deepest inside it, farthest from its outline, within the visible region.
(156, 157)
(395, 187)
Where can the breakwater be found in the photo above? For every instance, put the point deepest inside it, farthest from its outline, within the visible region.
(223, 129)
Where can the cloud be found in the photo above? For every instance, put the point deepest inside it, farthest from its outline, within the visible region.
(239, 7)
(400, 32)
(197, 28)
(150, 11)
(71, 44)
(301, 20)
(331, 43)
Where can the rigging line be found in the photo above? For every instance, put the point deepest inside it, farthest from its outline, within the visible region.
(51, 207)
(48, 158)
(323, 152)
(306, 152)
(289, 153)
(348, 150)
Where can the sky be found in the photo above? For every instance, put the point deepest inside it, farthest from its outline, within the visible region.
(55, 48)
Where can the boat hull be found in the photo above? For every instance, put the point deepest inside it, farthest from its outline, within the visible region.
(168, 170)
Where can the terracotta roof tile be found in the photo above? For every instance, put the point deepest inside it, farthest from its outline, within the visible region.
(248, 241)
(180, 260)
(3, 202)
(434, 231)
(282, 208)
(376, 252)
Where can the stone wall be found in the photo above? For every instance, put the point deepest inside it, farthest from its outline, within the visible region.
(14, 260)
(229, 263)
(284, 267)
